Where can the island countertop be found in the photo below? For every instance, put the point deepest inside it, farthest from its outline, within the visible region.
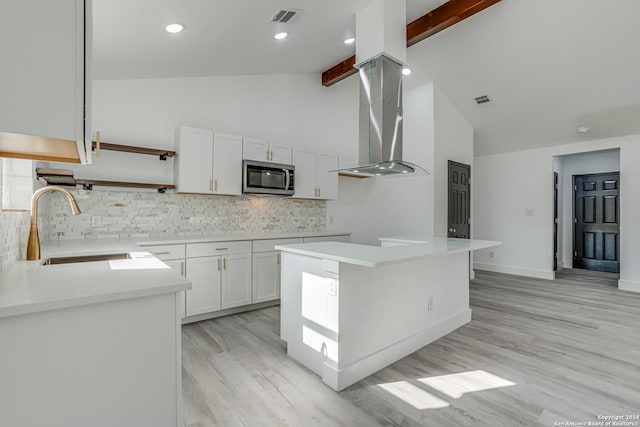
(376, 256)
(29, 287)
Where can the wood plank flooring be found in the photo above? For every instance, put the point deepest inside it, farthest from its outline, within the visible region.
(535, 353)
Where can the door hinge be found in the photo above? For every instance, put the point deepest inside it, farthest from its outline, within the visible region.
(575, 187)
(575, 254)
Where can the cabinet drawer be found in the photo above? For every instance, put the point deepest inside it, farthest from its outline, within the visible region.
(337, 238)
(166, 252)
(268, 244)
(217, 248)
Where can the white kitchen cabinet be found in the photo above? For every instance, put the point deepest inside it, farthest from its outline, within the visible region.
(221, 276)
(327, 181)
(193, 164)
(266, 269)
(227, 164)
(173, 256)
(208, 162)
(266, 276)
(178, 266)
(236, 280)
(313, 179)
(205, 276)
(265, 151)
(45, 79)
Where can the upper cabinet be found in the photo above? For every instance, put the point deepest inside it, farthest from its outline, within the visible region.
(265, 151)
(45, 79)
(208, 162)
(314, 176)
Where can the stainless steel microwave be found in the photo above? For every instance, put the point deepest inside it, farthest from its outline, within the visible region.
(267, 178)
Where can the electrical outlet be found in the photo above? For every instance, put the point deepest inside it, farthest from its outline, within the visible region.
(491, 254)
(430, 303)
(95, 221)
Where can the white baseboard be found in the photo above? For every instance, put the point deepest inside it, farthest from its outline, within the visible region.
(519, 271)
(340, 378)
(628, 285)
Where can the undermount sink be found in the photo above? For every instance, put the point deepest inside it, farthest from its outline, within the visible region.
(84, 258)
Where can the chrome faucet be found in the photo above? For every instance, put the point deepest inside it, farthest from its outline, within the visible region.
(33, 246)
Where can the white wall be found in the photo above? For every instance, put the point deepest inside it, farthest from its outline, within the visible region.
(292, 109)
(514, 204)
(454, 141)
(578, 164)
(434, 132)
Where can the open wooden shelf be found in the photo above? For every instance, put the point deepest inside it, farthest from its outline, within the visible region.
(65, 177)
(162, 154)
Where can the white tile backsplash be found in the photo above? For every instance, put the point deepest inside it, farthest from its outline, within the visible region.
(130, 214)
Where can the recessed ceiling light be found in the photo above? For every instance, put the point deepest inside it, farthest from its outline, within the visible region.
(583, 129)
(280, 36)
(173, 28)
(349, 40)
(406, 71)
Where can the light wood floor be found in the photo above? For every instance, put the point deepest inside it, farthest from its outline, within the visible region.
(570, 347)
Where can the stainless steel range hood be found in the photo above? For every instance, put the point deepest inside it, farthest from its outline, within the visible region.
(380, 120)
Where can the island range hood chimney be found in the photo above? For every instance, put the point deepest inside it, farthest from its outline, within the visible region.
(380, 57)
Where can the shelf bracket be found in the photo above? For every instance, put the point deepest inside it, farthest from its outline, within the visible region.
(164, 156)
(87, 186)
(162, 190)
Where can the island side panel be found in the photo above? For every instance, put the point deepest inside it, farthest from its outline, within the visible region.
(103, 365)
(384, 312)
(309, 310)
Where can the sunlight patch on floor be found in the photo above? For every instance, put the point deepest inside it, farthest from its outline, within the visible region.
(414, 396)
(457, 385)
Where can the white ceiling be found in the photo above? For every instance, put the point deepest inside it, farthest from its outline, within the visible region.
(548, 65)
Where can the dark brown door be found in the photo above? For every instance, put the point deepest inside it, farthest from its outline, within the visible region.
(597, 222)
(459, 200)
(555, 221)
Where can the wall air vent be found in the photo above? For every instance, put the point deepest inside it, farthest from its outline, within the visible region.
(482, 99)
(285, 16)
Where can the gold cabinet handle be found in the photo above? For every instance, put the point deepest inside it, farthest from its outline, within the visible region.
(318, 191)
(268, 155)
(216, 185)
(219, 261)
(224, 263)
(182, 268)
(278, 259)
(97, 144)
(210, 185)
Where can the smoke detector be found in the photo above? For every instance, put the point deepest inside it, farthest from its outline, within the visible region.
(286, 16)
(482, 99)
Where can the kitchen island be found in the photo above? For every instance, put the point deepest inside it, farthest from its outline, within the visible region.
(91, 343)
(349, 310)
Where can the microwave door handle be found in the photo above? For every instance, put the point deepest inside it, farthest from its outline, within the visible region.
(287, 179)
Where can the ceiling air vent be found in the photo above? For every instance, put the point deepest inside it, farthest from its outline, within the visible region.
(285, 16)
(482, 99)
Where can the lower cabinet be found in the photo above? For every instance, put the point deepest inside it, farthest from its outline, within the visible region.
(220, 274)
(173, 256)
(236, 280)
(206, 279)
(178, 265)
(266, 276)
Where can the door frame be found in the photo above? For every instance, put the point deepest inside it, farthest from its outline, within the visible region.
(573, 217)
(556, 219)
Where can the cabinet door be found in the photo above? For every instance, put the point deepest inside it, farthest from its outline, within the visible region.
(280, 153)
(255, 149)
(327, 181)
(305, 173)
(204, 296)
(227, 164)
(236, 280)
(266, 276)
(178, 265)
(194, 165)
(42, 77)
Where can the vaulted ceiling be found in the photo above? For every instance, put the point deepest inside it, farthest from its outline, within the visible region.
(549, 66)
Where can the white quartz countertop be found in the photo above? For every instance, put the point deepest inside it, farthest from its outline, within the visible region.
(227, 237)
(376, 256)
(29, 287)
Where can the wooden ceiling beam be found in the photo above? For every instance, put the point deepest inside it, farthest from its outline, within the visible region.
(441, 18)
